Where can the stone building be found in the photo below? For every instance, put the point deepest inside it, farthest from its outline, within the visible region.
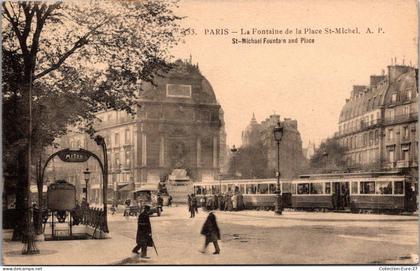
(291, 154)
(309, 151)
(178, 125)
(378, 125)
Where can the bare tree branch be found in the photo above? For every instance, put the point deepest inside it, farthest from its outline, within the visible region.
(15, 26)
(78, 44)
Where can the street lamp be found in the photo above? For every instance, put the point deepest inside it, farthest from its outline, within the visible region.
(87, 178)
(234, 150)
(278, 134)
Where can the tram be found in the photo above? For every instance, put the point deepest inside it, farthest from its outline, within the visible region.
(257, 193)
(356, 192)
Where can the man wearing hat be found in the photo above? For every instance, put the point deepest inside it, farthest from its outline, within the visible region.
(144, 233)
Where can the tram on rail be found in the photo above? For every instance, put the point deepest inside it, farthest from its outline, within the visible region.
(356, 192)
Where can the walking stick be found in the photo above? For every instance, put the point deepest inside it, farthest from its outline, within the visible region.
(155, 247)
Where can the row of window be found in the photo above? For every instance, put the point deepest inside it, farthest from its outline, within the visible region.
(115, 160)
(361, 140)
(116, 137)
(362, 187)
(321, 188)
(370, 105)
(359, 123)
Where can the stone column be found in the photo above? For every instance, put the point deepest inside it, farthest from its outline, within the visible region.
(143, 149)
(198, 151)
(215, 151)
(162, 151)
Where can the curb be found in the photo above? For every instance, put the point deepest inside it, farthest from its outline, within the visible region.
(330, 219)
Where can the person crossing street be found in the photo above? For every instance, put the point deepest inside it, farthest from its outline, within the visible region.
(144, 233)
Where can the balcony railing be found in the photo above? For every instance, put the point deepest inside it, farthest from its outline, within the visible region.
(402, 118)
(403, 164)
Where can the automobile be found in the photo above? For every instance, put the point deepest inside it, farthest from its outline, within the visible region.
(147, 195)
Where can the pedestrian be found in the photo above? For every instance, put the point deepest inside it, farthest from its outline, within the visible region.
(204, 202)
(160, 202)
(170, 200)
(221, 202)
(191, 207)
(144, 233)
(212, 233)
(113, 209)
(228, 202)
(235, 202)
(215, 202)
(194, 203)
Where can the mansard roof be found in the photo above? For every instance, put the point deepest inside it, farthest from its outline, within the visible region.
(365, 99)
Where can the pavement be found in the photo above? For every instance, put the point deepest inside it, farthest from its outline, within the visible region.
(248, 237)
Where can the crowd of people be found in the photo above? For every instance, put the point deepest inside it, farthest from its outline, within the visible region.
(223, 201)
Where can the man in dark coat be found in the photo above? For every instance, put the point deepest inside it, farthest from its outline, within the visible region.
(160, 202)
(212, 233)
(170, 200)
(144, 233)
(194, 202)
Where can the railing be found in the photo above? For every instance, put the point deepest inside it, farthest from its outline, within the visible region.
(94, 217)
(402, 118)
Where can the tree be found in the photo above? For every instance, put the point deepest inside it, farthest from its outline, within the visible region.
(68, 60)
(249, 162)
(329, 156)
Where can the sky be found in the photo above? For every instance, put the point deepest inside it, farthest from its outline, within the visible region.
(308, 82)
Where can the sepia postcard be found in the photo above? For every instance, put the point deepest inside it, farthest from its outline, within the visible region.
(238, 132)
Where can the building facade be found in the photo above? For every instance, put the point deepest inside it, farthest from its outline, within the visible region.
(291, 154)
(378, 125)
(178, 125)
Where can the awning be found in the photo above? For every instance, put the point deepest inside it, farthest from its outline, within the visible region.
(126, 187)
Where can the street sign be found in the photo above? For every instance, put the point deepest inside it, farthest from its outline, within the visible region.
(73, 156)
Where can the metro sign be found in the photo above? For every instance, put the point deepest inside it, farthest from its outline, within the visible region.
(73, 156)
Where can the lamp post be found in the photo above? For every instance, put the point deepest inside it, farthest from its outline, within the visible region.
(100, 141)
(87, 178)
(234, 150)
(278, 134)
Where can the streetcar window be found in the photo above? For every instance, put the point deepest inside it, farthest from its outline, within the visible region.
(354, 187)
(224, 188)
(398, 188)
(303, 188)
(367, 187)
(286, 187)
(327, 188)
(383, 188)
(263, 188)
(197, 190)
(251, 189)
(242, 188)
(272, 188)
(316, 188)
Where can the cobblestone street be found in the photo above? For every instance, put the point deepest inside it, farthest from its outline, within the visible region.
(248, 237)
